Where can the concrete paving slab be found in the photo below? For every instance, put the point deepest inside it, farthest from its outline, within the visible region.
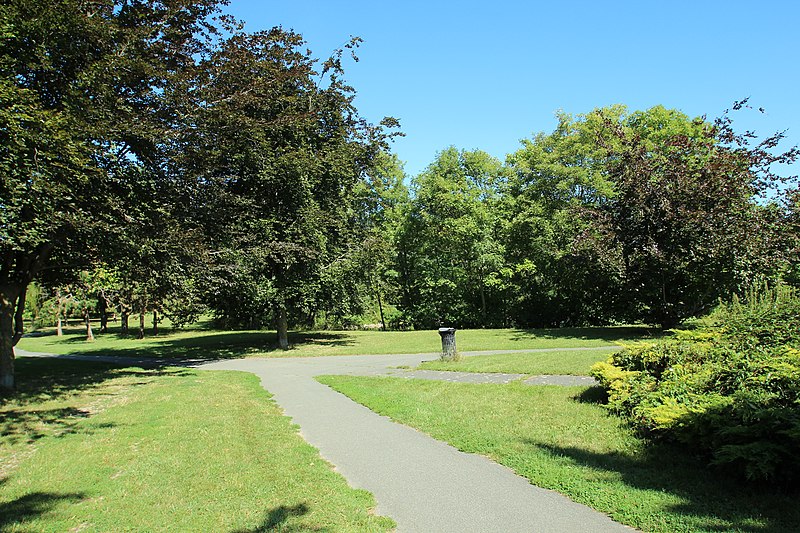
(563, 381)
(457, 377)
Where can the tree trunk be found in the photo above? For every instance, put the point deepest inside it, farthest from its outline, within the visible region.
(89, 334)
(155, 322)
(8, 307)
(283, 329)
(123, 320)
(19, 323)
(59, 314)
(141, 323)
(483, 304)
(103, 314)
(380, 309)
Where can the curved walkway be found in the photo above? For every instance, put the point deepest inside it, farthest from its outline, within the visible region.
(425, 485)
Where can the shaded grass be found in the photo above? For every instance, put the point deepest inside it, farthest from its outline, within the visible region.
(561, 439)
(168, 450)
(205, 344)
(574, 363)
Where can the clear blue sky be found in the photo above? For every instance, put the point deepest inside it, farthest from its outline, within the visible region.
(487, 74)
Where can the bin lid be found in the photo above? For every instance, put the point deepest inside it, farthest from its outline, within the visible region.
(447, 330)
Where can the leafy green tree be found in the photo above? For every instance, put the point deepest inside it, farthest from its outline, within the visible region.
(645, 215)
(557, 278)
(448, 255)
(790, 223)
(162, 252)
(380, 203)
(276, 149)
(83, 89)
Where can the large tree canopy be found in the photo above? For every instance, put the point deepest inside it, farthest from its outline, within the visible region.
(684, 217)
(448, 253)
(644, 216)
(276, 148)
(82, 99)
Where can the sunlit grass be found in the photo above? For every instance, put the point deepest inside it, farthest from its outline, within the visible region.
(575, 363)
(199, 343)
(90, 447)
(560, 438)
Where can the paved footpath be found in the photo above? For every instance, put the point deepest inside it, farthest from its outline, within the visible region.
(425, 485)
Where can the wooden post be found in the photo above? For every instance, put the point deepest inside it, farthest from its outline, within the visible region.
(449, 352)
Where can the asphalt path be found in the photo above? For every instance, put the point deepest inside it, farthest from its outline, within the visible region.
(425, 485)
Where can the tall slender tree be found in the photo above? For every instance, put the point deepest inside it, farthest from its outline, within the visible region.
(447, 250)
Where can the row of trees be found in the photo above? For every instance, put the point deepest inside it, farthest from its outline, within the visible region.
(614, 217)
(645, 216)
(157, 157)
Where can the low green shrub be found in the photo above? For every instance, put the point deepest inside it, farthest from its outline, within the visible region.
(730, 390)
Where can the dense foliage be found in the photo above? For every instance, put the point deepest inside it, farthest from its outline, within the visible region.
(84, 108)
(729, 389)
(615, 216)
(159, 142)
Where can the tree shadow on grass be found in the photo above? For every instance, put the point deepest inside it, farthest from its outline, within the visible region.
(276, 520)
(595, 395)
(28, 425)
(712, 500)
(25, 415)
(203, 347)
(609, 334)
(31, 506)
(48, 378)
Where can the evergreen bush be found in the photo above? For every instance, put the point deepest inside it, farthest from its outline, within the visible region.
(729, 390)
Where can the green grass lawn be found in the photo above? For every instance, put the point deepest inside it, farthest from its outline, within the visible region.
(574, 363)
(560, 438)
(197, 343)
(90, 447)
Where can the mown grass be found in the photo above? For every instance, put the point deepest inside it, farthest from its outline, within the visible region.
(574, 363)
(90, 447)
(560, 438)
(206, 344)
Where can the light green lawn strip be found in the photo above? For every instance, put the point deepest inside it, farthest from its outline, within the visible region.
(215, 344)
(574, 363)
(560, 439)
(179, 450)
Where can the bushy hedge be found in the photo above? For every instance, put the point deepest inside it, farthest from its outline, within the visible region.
(729, 390)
